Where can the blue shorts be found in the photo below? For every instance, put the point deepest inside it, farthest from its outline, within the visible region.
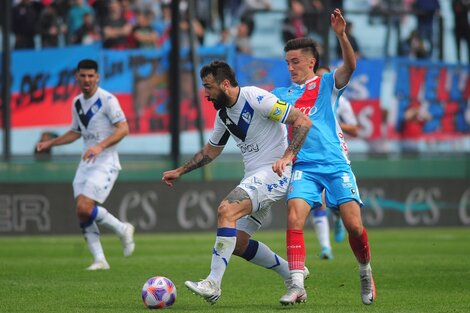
(308, 182)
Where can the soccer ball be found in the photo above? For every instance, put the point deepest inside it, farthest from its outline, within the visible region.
(158, 292)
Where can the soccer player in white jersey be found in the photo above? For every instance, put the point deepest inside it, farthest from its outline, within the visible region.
(99, 119)
(348, 123)
(322, 162)
(254, 118)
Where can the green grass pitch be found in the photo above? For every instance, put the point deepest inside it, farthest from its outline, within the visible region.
(415, 270)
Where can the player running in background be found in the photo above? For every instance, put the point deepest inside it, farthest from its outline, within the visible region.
(254, 118)
(348, 123)
(322, 162)
(99, 119)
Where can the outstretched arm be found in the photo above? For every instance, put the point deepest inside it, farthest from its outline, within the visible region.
(300, 124)
(64, 139)
(207, 154)
(345, 70)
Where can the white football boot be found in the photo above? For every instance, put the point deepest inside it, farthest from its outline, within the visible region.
(127, 240)
(98, 265)
(368, 293)
(205, 288)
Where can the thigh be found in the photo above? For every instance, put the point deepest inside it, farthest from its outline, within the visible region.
(304, 185)
(265, 187)
(341, 187)
(95, 181)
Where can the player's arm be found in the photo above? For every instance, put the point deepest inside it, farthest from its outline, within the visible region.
(206, 155)
(349, 129)
(121, 130)
(300, 124)
(345, 70)
(64, 139)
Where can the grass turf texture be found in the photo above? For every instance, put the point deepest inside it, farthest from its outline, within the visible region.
(415, 270)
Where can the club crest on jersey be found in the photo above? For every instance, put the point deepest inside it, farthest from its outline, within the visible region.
(95, 108)
(246, 116)
(311, 86)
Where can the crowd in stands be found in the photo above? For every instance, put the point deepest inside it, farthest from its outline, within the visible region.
(128, 24)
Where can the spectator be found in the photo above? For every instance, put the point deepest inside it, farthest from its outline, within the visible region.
(293, 25)
(143, 35)
(45, 154)
(162, 25)
(50, 26)
(243, 37)
(426, 10)
(75, 17)
(413, 47)
(116, 29)
(352, 40)
(25, 16)
(101, 11)
(461, 26)
(88, 33)
(128, 12)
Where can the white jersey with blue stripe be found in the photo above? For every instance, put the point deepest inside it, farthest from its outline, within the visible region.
(94, 119)
(255, 123)
(318, 98)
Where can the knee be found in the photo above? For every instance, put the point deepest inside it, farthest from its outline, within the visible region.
(355, 230)
(84, 209)
(224, 213)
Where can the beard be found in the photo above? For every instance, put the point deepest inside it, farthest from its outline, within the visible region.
(220, 101)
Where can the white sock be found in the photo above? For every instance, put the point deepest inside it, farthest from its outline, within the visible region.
(92, 238)
(297, 278)
(103, 217)
(260, 254)
(322, 229)
(223, 249)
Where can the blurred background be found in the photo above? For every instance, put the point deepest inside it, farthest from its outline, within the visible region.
(410, 94)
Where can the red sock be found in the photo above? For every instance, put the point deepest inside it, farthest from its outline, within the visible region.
(360, 247)
(295, 249)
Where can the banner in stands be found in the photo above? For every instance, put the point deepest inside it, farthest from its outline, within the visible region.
(43, 86)
(49, 208)
(432, 101)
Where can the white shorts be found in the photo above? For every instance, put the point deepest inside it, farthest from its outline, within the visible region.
(264, 188)
(94, 181)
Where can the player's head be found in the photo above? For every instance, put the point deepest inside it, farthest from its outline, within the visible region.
(302, 59)
(87, 77)
(322, 70)
(218, 78)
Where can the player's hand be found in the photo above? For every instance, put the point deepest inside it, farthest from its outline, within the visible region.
(337, 22)
(92, 153)
(280, 165)
(43, 145)
(169, 177)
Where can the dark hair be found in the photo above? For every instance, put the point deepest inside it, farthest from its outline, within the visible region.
(221, 71)
(87, 64)
(307, 45)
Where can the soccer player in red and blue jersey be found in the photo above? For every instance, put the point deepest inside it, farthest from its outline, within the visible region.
(322, 162)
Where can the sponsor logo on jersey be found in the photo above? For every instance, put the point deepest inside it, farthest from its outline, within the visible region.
(253, 147)
(277, 111)
(259, 98)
